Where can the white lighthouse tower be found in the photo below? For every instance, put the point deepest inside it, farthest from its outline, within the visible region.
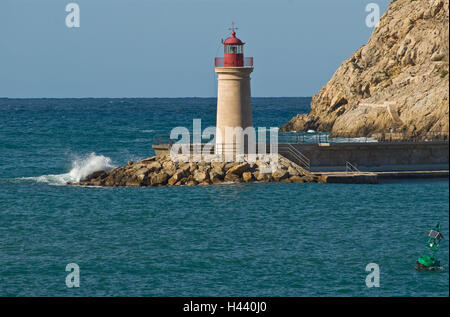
(234, 105)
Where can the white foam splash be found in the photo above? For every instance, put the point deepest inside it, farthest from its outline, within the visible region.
(81, 167)
(86, 166)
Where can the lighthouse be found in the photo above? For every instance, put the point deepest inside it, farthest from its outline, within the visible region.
(234, 105)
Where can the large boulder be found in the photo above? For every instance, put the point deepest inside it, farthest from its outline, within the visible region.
(134, 182)
(98, 174)
(231, 177)
(247, 177)
(239, 169)
(169, 167)
(280, 174)
(215, 177)
(177, 176)
(154, 166)
(200, 176)
(296, 179)
(160, 178)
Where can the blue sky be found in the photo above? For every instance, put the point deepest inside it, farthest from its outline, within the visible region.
(166, 48)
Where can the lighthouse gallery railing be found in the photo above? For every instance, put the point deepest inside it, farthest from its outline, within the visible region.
(220, 62)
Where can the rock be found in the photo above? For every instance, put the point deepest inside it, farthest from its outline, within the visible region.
(204, 168)
(154, 166)
(393, 82)
(162, 171)
(215, 177)
(96, 182)
(232, 178)
(310, 179)
(133, 182)
(280, 174)
(218, 165)
(172, 181)
(98, 174)
(109, 181)
(200, 176)
(141, 176)
(169, 167)
(437, 57)
(296, 179)
(177, 176)
(292, 171)
(191, 183)
(229, 165)
(180, 174)
(186, 167)
(159, 178)
(202, 164)
(118, 177)
(247, 177)
(193, 166)
(322, 179)
(239, 169)
(148, 160)
(135, 166)
(142, 170)
(263, 177)
(219, 171)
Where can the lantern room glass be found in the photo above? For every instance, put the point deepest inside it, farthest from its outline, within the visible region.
(234, 49)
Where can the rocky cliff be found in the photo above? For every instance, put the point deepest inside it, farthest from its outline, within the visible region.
(398, 81)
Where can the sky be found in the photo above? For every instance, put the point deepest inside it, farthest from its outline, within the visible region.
(166, 48)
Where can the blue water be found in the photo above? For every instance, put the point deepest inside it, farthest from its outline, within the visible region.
(273, 239)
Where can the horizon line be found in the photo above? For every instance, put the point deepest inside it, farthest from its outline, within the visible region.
(146, 97)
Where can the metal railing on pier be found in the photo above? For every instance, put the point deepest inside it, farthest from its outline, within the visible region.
(388, 137)
(321, 137)
(224, 148)
(290, 152)
(350, 168)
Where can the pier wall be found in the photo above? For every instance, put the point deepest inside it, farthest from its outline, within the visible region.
(377, 156)
(369, 157)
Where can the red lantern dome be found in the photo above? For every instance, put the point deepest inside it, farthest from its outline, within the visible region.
(233, 40)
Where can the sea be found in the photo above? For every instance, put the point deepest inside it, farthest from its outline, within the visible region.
(258, 239)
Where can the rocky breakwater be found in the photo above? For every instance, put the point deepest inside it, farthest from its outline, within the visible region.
(163, 171)
(397, 82)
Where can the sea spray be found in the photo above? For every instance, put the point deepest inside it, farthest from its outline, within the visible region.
(81, 168)
(86, 166)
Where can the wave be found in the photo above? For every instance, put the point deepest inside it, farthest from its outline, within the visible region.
(139, 140)
(81, 167)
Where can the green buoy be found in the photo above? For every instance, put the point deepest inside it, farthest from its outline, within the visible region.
(428, 262)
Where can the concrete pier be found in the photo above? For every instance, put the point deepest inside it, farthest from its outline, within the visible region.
(375, 177)
(375, 161)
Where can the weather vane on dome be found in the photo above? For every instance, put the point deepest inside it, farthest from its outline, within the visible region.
(233, 28)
